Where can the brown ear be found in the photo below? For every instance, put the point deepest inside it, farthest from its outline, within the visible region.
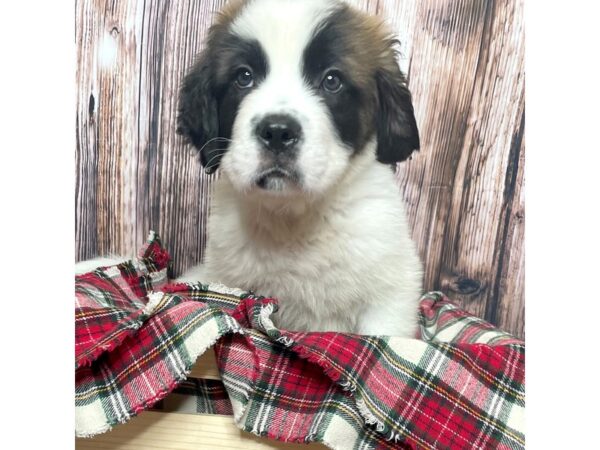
(397, 132)
(197, 118)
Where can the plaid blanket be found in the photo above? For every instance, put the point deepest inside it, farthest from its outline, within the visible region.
(460, 386)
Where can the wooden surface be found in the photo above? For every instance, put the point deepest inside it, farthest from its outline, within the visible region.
(206, 367)
(463, 189)
(171, 431)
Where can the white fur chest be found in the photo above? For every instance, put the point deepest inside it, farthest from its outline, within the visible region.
(327, 263)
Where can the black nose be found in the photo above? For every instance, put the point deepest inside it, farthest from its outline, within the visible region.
(279, 132)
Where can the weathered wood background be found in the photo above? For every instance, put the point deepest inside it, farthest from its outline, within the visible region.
(464, 189)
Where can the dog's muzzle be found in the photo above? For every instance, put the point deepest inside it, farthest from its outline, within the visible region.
(279, 135)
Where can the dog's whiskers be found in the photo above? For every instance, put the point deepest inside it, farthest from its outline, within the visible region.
(209, 166)
(215, 139)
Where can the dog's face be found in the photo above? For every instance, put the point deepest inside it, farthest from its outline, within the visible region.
(288, 92)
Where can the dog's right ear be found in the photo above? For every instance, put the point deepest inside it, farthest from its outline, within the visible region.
(197, 118)
(397, 131)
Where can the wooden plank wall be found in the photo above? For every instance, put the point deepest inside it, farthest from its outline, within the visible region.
(464, 189)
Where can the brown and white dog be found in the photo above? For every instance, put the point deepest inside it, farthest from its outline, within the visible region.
(302, 106)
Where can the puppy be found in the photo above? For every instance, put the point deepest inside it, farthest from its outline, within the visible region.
(302, 106)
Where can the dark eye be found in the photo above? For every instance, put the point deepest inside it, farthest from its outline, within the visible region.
(244, 78)
(332, 82)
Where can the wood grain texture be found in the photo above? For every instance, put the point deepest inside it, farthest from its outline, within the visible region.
(172, 431)
(206, 367)
(463, 189)
(464, 195)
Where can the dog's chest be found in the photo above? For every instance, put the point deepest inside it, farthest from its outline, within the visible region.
(320, 278)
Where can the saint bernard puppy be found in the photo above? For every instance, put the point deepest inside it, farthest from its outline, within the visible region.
(302, 107)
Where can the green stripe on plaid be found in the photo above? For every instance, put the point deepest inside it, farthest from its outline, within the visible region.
(443, 321)
(197, 396)
(461, 386)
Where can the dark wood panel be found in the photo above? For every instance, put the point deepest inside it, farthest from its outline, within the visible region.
(463, 190)
(134, 173)
(466, 75)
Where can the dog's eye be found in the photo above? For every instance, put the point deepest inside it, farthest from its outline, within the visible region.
(244, 78)
(332, 82)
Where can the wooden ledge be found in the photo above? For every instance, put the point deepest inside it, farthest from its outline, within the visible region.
(206, 367)
(155, 430)
(172, 431)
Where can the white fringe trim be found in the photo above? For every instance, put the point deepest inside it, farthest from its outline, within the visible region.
(180, 375)
(222, 289)
(368, 416)
(288, 342)
(264, 318)
(93, 431)
(154, 299)
(394, 436)
(348, 386)
(157, 277)
(112, 271)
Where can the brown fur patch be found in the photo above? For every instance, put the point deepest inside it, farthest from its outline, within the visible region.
(230, 11)
(370, 42)
(362, 47)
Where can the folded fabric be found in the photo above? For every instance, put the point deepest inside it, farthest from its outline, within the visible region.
(197, 396)
(460, 386)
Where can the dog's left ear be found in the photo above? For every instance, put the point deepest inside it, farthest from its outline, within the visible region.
(397, 132)
(198, 110)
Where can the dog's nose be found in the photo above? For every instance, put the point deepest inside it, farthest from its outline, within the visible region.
(279, 132)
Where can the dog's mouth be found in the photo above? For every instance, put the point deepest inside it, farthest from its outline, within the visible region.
(276, 179)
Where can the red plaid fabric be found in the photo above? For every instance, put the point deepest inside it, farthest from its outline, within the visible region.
(197, 396)
(460, 386)
(110, 303)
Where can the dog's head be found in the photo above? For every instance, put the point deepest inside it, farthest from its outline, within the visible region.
(287, 93)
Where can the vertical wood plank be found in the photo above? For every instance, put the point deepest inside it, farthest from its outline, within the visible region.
(478, 246)
(443, 68)
(86, 162)
(182, 190)
(466, 75)
(507, 308)
(401, 15)
(174, 190)
(134, 173)
(108, 82)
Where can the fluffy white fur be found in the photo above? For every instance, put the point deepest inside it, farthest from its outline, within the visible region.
(343, 263)
(335, 250)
